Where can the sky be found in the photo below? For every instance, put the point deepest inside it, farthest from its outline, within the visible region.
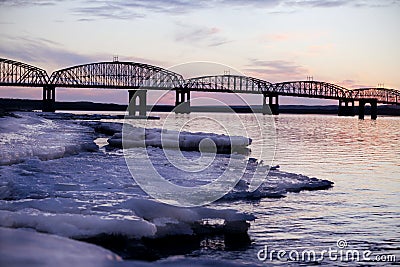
(350, 43)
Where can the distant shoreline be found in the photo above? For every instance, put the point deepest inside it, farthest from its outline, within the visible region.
(8, 105)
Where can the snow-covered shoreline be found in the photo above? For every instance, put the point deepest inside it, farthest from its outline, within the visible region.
(88, 194)
(27, 136)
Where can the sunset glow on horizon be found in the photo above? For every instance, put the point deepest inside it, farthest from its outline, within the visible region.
(353, 44)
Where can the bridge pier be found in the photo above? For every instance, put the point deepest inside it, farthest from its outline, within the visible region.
(273, 103)
(182, 101)
(374, 108)
(137, 102)
(346, 107)
(49, 98)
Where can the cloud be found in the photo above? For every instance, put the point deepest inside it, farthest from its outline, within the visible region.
(275, 70)
(352, 84)
(183, 6)
(166, 6)
(40, 50)
(89, 10)
(317, 3)
(21, 3)
(105, 11)
(52, 55)
(338, 3)
(120, 9)
(209, 36)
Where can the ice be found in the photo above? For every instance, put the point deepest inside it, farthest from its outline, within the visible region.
(146, 218)
(276, 184)
(169, 139)
(19, 247)
(28, 135)
(107, 177)
(76, 225)
(172, 220)
(195, 262)
(90, 196)
(108, 128)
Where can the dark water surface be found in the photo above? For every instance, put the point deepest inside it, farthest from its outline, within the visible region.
(362, 158)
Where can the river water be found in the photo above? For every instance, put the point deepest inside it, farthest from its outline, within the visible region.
(362, 158)
(359, 214)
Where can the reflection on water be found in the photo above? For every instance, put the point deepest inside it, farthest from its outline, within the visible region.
(362, 158)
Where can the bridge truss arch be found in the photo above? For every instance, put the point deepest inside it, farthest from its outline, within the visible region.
(382, 95)
(228, 83)
(15, 73)
(116, 74)
(312, 89)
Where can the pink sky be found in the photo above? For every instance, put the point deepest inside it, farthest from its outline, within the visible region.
(353, 44)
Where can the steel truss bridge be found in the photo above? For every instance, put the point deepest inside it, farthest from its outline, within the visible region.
(139, 77)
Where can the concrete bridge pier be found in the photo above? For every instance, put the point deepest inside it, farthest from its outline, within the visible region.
(346, 107)
(374, 108)
(182, 101)
(137, 102)
(273, 103)
(49, 98)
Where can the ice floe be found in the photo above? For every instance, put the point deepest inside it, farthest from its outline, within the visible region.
(169, 139)
(133, 218)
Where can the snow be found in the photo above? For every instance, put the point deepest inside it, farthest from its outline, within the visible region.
(76, 225)
(20, 247)
(85, 202)
(277, 184)
(162, 138)
(171, 220)
(55, 181)
(133, 218)
(105, 176)
(180, 261)
(32, 136)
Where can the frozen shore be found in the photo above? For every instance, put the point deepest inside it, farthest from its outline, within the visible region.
(25, 136)
(55, 180)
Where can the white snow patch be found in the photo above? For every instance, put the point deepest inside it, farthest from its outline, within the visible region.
(171, 220)
(133, 218)
(23, 247)
(19, 247)
(169, 139)
(76, 225)
(32, 136)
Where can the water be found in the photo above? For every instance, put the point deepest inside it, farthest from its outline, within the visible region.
(362, 158)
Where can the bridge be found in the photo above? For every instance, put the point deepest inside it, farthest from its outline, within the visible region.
(137, 78)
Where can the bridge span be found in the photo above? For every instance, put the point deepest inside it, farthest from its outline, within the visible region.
(137, 78)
